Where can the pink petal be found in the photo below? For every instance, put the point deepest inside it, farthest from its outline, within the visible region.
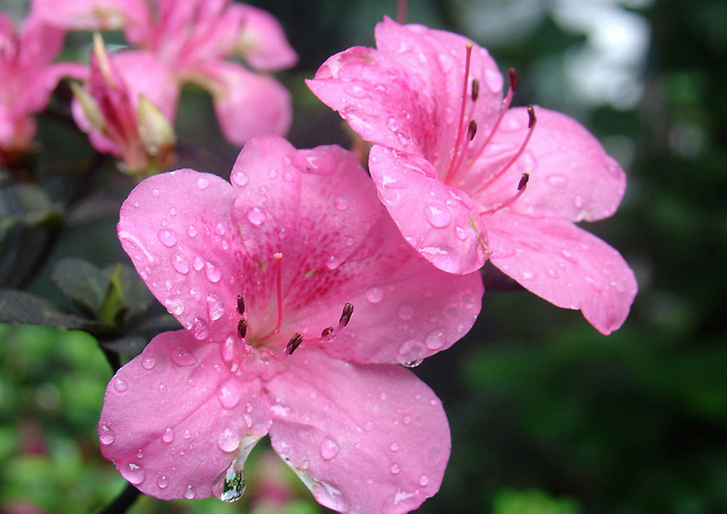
(179, 233)
(262, 41)
(571, 176)
(565, 265)
(435, 219)
(247, 104)
(132, 15)
(362, 438)
(175, 419)
(144, 74)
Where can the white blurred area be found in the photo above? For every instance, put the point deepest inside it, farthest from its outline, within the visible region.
(606, 69)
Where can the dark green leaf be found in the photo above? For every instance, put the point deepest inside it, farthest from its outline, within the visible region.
(81, 282)
(112, 306)
(19, 307)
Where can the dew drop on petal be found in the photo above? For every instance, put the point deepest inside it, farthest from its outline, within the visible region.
(133, 472)
(180, 263)
(394, 447)
(167, 237)
(183, 357)
(528, 275)
(148, 363)
(233, 485)
(215, 307)
(423, 480)
(212, 273)
(435, 339)
(191, 231)
(578, 202)
(557, 180)
(341, 203)
(189, 493)
(168, 435)
(405, 311)
(239, 178)
(228, 441)
(120, 385)
(155, 193)
(203, 182)
(438, 215)
(375, 294)
(163, 482)
(256, 216)
(106, 435)
(229, 395)
(395, 469)
(329, 449)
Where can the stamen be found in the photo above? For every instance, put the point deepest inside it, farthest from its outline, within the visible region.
(520, 190)
(294, 343)
(277, 258)
(401, 8)
(472, 130)
(531, 127)
(460, 130)
(242, 328)
(327, 331)
(475, 89)
(240, 304)
(346, 315)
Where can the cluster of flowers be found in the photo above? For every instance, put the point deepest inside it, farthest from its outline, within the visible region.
(305, 286)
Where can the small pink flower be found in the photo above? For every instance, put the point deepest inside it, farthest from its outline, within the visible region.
(127, 108)
(193, 38)
(299, 299)
(28, 79)
(466, 179)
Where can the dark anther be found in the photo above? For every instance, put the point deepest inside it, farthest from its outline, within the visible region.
(346, 314)
(523, 181)
(327, 331)
(475, 89)
(512, 76)
(294, 343)
(531, 116)
(240, 304)
(242, 327)
(472, 129)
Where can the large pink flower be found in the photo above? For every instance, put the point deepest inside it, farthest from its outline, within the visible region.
(28, 77)
(466, 179)
(299, 299)
(193, 38)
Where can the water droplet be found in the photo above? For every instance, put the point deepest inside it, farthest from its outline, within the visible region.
(423, 480)
(273, 173)
(163, 482)
(180, 263)
(329, 449)
(551, 273)
(213, 274)
(155, 193)
(191, 231)
(120, 385)
(239, 178)
(215, 307)
(355, 90)
(568, 255)
(168, 435)
(233, 485)
(341, 203)
(461, 233)
(199, 329)
(256, 216)
(557, 180)
(229, 395)
(198, 263)
(395, 469)
(148, 363)
(106, 435)
(527, 162)
(375, 294)
(595, 284)
(333, 262)
(369, 426)
(403, 140)
(412, 364)
(394, 447)
(133, 472)
(406, 420)
(203, 182)
(528, 275)
(183, 357)
(190, 493)
(578, 202)
(167, 237)
(405, 311)
(228, 441)
(435, 339)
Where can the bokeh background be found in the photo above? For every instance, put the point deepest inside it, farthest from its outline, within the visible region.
(547, 415)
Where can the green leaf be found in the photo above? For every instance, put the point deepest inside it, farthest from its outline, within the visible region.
(18, 307)
(137, 297)
(129, 347)
(532, 502)
(81, 282)
(112, 306)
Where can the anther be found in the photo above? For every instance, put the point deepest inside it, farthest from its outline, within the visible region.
(242, 328)
(523, 181)
(294, 343)
(327, 331)
(472, 130)
(346, 314)
(475, 89)
(240, 304)
(531, 117)
(512, 77)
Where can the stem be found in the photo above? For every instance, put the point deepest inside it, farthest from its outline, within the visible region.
(122, 502)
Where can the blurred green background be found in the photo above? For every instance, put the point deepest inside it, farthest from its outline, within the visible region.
(547, 416)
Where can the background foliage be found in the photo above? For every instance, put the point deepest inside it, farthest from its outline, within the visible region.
(547, 415)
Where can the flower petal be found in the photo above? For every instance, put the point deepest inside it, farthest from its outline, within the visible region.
(131, 15)
(175, 420)
(188, 256)
(571, 176)
(262, 41)
(436, 220)
(362, 438)
(565, 265)
(247, 104)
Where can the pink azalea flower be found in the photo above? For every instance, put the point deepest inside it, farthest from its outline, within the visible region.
(28, 79)
(299, 299)
(467, 179)
(127, 107)
(193, 38)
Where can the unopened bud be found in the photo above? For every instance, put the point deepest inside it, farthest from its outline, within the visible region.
(156, 134)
